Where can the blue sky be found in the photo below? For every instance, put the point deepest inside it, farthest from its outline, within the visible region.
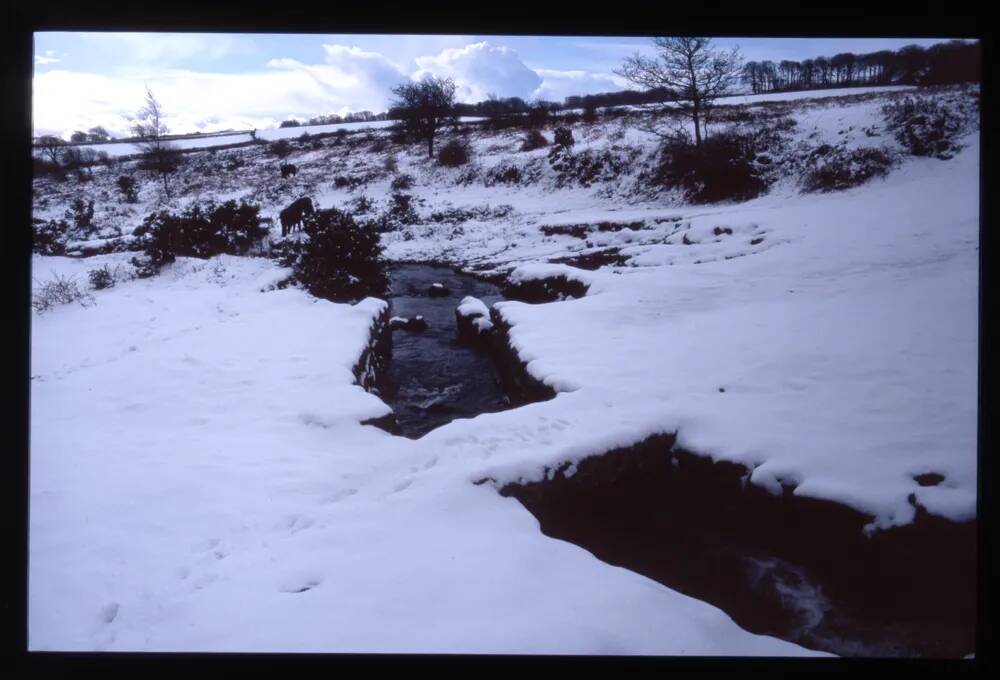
(216, 81)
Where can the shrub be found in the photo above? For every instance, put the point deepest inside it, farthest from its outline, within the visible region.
(589, 113)
(924, 126)
(280, 148)
(563, 136)
(60, 290)
(536, 117)
(42, 167)
(397, 134)
(363, 204)
(454, 153)
(103, 277)
(199, 232)
(126, 185)
(340, 260)
(401, 210)
(339, 135)
(50, 237)
(81, 213)
(721, 169)
(570, 117)
(503, 173)
(834, 168)
(402, 182)
(390, 164)
(590, 166)
(234, 162)
(533, 140)
(379, 144)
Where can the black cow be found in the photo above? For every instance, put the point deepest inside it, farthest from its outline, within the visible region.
(287, 170)
(293, 215)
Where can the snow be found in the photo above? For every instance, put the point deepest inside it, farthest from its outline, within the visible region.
(476, 308)
(539, 271)
(197, 452)
(810, 94)
(473, 306)
(850, 346)
(200, 479)
(269, 135)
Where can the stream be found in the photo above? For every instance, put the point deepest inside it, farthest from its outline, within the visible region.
(799, 573)
(432, 379)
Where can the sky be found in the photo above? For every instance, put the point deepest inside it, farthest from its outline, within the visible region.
(206, 82)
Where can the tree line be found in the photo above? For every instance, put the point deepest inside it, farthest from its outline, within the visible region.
(953, 62)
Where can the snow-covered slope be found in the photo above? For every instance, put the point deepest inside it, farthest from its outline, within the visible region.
(200, 479)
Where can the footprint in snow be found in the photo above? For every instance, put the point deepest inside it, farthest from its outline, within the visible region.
(338, 496)
(295, 523)
(205, 545)
(203, 581)
(299, 585)
(109, 612)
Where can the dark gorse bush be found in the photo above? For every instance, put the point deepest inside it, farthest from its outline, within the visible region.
(200, 231)
(82, 214)
(835, 168)
(280, 148)
(126, 185)
(720, 169)
(532, 140)
(340, 259)
(401, 182)
(563, 136)
(49, 237)
(453, 153)
(924, 126)
(102, 277)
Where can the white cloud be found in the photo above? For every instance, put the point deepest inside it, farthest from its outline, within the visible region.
(165, 48)
(42, 60)
(480, 69)
(350, 80)
(557, 85)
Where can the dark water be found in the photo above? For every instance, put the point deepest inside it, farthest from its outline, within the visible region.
(797, 569)
(431, 379)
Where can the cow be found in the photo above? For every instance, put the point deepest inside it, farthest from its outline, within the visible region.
(287, 170)
(294, 214)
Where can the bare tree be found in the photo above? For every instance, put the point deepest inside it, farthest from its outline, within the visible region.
(426, 105)
(51, 146)
(690, 71)
(160, 156)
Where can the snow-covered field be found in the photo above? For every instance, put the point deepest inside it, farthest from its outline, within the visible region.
(270, 135)
(200, 480)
